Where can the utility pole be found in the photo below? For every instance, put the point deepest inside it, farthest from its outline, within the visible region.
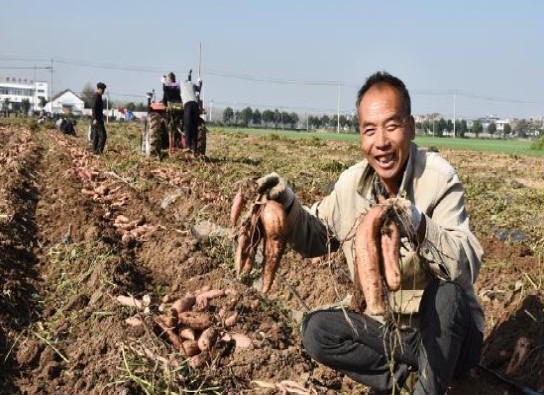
(454, 131)
(51, 87)
(338, 111)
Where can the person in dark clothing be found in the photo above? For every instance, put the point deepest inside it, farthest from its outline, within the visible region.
(172, 100)
(99, 135)
(191, 111)
(171, 90)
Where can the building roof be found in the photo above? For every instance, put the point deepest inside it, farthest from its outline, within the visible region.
(63, 92)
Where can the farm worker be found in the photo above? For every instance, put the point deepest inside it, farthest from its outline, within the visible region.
(171, 90)
(99, 135)
(441, 323)
(172, 99)
(190, 111)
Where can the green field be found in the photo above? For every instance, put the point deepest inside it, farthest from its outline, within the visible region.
(511, 147)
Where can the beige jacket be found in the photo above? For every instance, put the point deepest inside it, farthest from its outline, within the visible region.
(450, 250)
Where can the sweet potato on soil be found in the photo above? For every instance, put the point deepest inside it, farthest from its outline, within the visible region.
(237, 206)
(195, 320)
(367, 260)
(231, 320)
(390, 243)
(170, 334)
(190, 348)
(273, 219)
(207, 339)
(184, 304)
(187, 333)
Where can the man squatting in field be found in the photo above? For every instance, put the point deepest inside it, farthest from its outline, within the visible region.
(442, 322)
(99, 135)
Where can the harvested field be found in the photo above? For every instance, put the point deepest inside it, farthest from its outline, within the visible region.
(78, 231)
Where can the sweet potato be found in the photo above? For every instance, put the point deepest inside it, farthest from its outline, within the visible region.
(190, 348)
(231, 320)
(197, 361)
(207, 339)
(273, 223)
(195, 320)
(390, 243)
(184, 304)
(237, 206)
(187, 333)
(170, 334)
(367, 260)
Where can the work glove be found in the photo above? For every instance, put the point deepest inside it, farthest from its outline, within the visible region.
(408, 216)
(274, 187)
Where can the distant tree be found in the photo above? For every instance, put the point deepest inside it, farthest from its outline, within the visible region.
(245, 116)
(131, 107)
(356, 123)
(25, 106)
(43, 101)
(449, 125)
(87, 95)
(293, 119)
(491, 128)
(463, 128)
(477, 128)
(237, 117)
(521, 126)
(315, 122)
(277, 118)
(141, 107)
(228, 115)
(440, 126)
(268, 117)
(325, 121)
(507, 129)
(257, 117)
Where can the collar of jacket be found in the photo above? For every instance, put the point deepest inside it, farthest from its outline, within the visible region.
(367, 178)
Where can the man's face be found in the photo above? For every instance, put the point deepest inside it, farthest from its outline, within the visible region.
(386, 131)
(100, 91)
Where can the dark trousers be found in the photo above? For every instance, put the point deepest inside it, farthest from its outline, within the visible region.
(99, 138)
(445, 345)
(190, 122)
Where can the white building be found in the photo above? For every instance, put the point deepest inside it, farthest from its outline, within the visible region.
(17, 90)
(65, 101)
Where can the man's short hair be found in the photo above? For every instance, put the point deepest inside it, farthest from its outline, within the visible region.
(383, 77)
(101, 85)
(172, 77)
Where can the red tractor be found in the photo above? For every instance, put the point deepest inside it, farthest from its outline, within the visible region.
(163, 128)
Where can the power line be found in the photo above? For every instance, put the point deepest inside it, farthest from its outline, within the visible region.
(253, 78)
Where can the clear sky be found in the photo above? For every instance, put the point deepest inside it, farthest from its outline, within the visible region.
(298, 55)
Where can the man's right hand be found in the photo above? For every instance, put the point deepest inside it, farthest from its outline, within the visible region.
(94, 121)
(275, 188)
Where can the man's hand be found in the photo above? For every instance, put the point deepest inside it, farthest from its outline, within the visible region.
(411, 220)
(276, 188)
(94, 121)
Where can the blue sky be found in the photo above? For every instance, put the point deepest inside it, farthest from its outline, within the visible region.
(289, 54)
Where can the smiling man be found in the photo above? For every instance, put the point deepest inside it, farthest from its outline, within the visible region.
(434, 324)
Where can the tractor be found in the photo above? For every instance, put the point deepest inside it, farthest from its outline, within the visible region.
(163, 128)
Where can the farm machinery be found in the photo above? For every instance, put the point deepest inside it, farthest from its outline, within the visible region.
(163, 128)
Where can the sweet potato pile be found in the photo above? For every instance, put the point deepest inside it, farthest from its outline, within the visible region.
(264, 222)
(191, 324)
(377, 245)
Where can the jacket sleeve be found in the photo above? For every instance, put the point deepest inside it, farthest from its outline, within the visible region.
(94, 105)
(450, 248)
(311, 231)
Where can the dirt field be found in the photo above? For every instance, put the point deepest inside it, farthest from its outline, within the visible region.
(77, 231)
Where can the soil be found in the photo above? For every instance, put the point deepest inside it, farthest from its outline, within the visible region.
(64, 261)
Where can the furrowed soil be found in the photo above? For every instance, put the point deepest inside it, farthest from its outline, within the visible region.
(78, 231)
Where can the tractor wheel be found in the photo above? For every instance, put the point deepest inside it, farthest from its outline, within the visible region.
(153, 135)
